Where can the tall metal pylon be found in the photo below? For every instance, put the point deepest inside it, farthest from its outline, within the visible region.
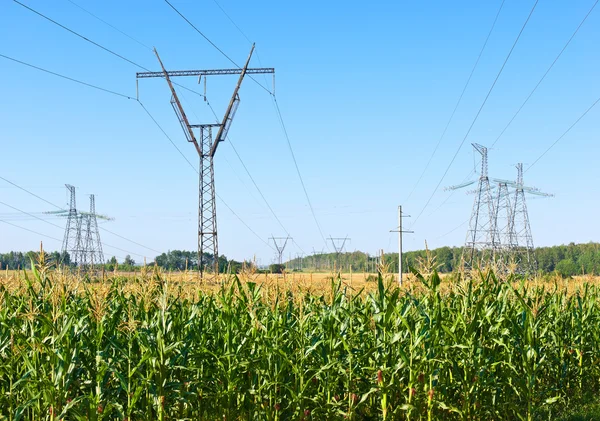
(82, 235)
(206, 148)
(72, 227)
(338, 244)
(523, 251)
(503, 221)
(482, 236)
(93, 245)
(280, 243)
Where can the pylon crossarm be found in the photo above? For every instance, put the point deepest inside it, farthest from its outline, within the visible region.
(185, 124)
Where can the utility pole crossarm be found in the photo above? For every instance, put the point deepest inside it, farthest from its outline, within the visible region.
(231, 108)
(183, 118)
(216, 72)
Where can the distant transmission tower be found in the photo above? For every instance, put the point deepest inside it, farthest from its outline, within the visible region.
(73, 226)
(338, 246)
(82, 235)
(482, 236)
(523, 251)
(280, 243)
(503, 221)
(206, 148)
(93, 245)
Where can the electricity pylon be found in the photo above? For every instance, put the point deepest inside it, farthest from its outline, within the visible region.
(523, 251)
(338, 244)
(72, 227)
(280, 243)
(93, 245)
(206, 148)
(482, 235)
(503, 221)
(82, 235)
(513, 248)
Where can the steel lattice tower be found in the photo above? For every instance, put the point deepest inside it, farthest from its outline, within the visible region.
(93, 246)
(72, 228)
(503, 221)
(482, 235)
(82, 235)
(521, 230)
(206, 148)
(207, 209)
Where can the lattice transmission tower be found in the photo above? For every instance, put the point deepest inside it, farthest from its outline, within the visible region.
(70, 240)
(208, 249)
(503, 221)
(523, 250)
(82, 235)
(93, 254)
(482, 237)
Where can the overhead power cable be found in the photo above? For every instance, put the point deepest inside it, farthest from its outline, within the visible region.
(250, 176)
(66, 77)
(285, 132)
(97, 45)
(214, 45)
(287, 137)
(546, 73)
(61, 228)
(78, 34)
(58, 226)
(564, 133)
(478, 113)
(457, 103)
(32, 231)
(108, 24)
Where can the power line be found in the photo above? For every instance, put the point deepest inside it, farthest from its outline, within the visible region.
(97, 45)
(285, 132)
(168, 137)
(546, 73)
(27, 229)
(66, 77)
(287, 137)
(452, 230)
(564, 133)
(457, 102)
(58, 226)
(231, 20)
(32, 194)
(214, 45)
(250, 176)
(131, 241)
(478, 112)
(78, 34)
(108, 24)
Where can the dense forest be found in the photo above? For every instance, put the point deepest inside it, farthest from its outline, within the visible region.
(566, 260)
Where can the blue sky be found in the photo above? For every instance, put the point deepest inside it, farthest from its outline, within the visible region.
(365, 89)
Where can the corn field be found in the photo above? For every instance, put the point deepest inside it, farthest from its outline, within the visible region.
(484, 349)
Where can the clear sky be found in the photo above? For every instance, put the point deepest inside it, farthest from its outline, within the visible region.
(365, 89)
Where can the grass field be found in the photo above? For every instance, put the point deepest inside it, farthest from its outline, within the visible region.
(167, 346)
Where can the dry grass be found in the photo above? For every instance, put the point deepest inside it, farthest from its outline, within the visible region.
(188, 284)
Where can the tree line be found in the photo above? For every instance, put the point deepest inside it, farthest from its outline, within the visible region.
(565, 260)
